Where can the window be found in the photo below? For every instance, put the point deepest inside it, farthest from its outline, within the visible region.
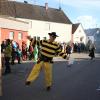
(47, 26)
(19, 36)
(11, 35)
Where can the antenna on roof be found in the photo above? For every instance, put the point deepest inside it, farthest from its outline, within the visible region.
(59, 4)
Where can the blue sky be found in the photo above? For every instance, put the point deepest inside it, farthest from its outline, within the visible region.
(82, 11)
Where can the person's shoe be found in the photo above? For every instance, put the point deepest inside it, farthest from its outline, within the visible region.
(27, 83)
(12, 63)
(48, 88)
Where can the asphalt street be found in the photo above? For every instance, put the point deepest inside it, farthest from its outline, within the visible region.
(80, 81)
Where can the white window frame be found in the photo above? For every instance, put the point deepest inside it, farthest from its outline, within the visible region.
(20, 35)
(11, 35)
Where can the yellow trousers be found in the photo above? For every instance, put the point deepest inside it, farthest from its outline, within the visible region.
(47, 72)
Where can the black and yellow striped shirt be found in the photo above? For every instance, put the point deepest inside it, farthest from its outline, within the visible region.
(51, 49)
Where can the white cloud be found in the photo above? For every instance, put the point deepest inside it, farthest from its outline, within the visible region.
(87, 21)
(84, 6)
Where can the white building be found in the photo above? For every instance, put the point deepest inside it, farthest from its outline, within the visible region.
(42, 19)
(42, 28)
(79, 35)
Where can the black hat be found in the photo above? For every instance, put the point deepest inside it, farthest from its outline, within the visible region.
(53, 34)
(8, 40)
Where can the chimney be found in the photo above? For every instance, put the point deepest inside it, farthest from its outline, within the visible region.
(46, 6)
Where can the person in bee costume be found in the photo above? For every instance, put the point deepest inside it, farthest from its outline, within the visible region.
(49, 49)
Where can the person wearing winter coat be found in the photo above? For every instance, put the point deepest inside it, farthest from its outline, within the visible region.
(92, 51)
(7, 55)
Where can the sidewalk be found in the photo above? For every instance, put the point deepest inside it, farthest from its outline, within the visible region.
(83, 55)
(77, 56)
(73, 55)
